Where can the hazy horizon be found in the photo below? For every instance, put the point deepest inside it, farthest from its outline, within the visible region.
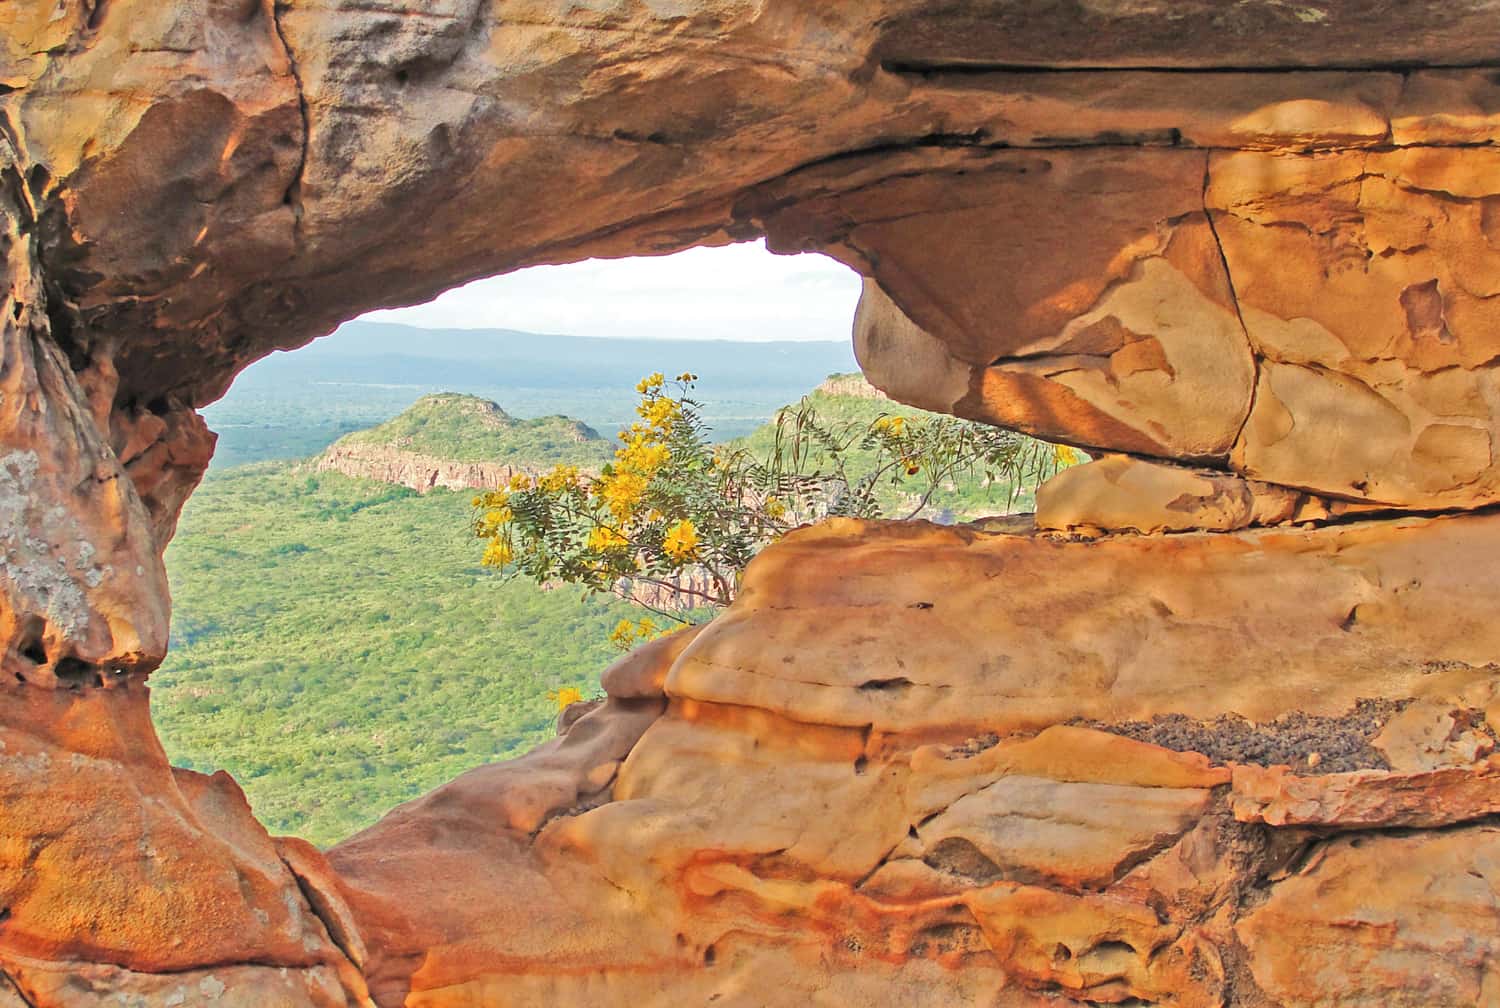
(739, 293)
(370, 318)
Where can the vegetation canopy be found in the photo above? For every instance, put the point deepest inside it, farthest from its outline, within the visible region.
(676, 512)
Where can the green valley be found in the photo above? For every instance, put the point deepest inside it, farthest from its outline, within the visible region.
(338, 647)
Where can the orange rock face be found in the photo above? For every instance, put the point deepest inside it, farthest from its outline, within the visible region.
(1238, 765)
(813, 811)
(122, 877)
(1327, 256)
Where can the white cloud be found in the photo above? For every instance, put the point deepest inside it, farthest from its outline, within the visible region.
(740, 292)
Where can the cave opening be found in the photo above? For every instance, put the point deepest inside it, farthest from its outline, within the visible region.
(336, 644)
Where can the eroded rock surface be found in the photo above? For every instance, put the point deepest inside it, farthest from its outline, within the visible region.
(123, 878)
(901, 798)
(1252, 246)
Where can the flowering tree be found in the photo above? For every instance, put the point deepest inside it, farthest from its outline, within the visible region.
(675, 511)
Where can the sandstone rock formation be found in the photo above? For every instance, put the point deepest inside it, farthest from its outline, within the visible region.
(968, 766)
(834, 805)
(1120, 493)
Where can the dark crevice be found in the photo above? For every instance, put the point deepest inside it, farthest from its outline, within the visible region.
(8, 983)
(959, 857)
(894, 685)
(1169, 136)
(940, 68)
(37, 179)
(319, 908)
(656, 138)
(583, 803)
(292, 197)
(74, 673)
(1213, 229)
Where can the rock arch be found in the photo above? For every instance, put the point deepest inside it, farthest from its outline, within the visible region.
(987, 765)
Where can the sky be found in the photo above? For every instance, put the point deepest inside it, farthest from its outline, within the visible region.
(739, 292)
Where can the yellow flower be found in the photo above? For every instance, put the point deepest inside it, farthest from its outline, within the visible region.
(681, 543)
(660, 413)
(642, 456)
(565, 697)
(623, 635)
(626, 634)
(559, 478)
(1064, 455)
(520, 481)
(687, 376)
(602, 537)
(651, 383)
(621, 493)
(497, 554)
(775, 508)
(491, 520)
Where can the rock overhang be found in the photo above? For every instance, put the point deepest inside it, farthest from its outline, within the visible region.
(1253, 238)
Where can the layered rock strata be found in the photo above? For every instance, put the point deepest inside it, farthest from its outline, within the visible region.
(416, 470)
(965, 766)
(943, 794)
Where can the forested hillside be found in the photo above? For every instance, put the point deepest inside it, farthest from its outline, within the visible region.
(338, 648)
(470, 429)
(337, 645)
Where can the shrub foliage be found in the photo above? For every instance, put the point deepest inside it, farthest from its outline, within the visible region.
(675, 511)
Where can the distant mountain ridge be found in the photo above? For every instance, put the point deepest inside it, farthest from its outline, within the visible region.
(293, 405)
(382, 353)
